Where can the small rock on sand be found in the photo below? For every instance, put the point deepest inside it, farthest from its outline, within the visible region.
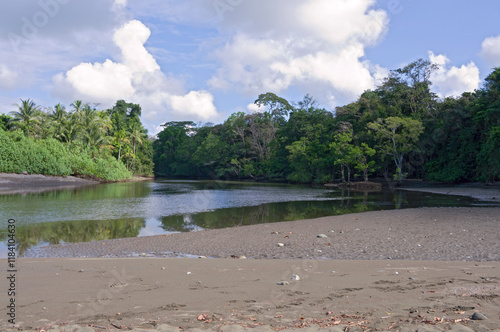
(322, 236)
(478, 316)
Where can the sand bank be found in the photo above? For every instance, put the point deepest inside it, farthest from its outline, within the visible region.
(462, 234)
(23, 184)
(236, 294)
(427, 269)
(481, 192)
(37, 183)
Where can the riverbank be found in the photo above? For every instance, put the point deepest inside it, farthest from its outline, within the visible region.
(428, 268)
(233, 295)
(461, 234)
(481, 192)
(36, 183)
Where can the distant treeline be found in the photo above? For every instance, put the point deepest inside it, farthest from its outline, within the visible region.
(401, 129)
(108, 145)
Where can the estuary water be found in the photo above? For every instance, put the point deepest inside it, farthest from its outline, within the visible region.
(160, 207)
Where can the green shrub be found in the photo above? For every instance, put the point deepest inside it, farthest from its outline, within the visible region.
(19, 154)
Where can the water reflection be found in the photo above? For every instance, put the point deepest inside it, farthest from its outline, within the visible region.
(153, 208)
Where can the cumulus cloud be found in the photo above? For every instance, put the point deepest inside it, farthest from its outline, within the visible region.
(136, 77)
(40, 37)
(195, 103)
(315, 45)
(254, 108)
(8, 77)
(490, 50)
(453, 81)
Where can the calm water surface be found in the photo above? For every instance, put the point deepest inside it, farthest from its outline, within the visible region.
(153, 208)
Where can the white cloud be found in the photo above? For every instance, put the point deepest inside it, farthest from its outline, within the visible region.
(315, 45)
(199, 104)
(254, 108)
(40, 37)
(453, 81)
(490, 50)
(8, 77)
(121, 3)
(136, 78)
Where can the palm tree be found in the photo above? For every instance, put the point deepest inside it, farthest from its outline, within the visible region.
(120, 138)
(58, 114)
(78, 107)
(70, 131)
(105, 121)
(27, 114)
(136, 134)
(59, 118)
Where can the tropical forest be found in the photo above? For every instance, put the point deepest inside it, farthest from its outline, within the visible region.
(400, 130)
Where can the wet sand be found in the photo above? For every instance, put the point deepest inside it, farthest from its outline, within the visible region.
(426, 269)
(481, 192)
(23, 184)
(463, 234)
(11, 184)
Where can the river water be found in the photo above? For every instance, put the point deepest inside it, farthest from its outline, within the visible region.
(159, 207)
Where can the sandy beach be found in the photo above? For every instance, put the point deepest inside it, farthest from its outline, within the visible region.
(238, 295)
(22, 184)
(11, 184)
(426, 269)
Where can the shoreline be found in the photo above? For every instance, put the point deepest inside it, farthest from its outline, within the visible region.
(444, 267)
(480, 192)
(424, 269)
(446, 234)
(12, 184)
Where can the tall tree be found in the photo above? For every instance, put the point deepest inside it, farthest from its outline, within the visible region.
(120, 138)
(397, 137)
(26, 115)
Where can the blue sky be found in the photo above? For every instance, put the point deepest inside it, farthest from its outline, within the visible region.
(201, 60)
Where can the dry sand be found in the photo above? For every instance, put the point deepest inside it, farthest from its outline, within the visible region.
(232, 294)
(444, 267)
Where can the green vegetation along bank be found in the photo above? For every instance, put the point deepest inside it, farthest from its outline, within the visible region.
(399, 130)
(109, 145)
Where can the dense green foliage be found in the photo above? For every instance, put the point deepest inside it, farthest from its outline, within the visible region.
(110, 145)
(48, 156)
(399, 130)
